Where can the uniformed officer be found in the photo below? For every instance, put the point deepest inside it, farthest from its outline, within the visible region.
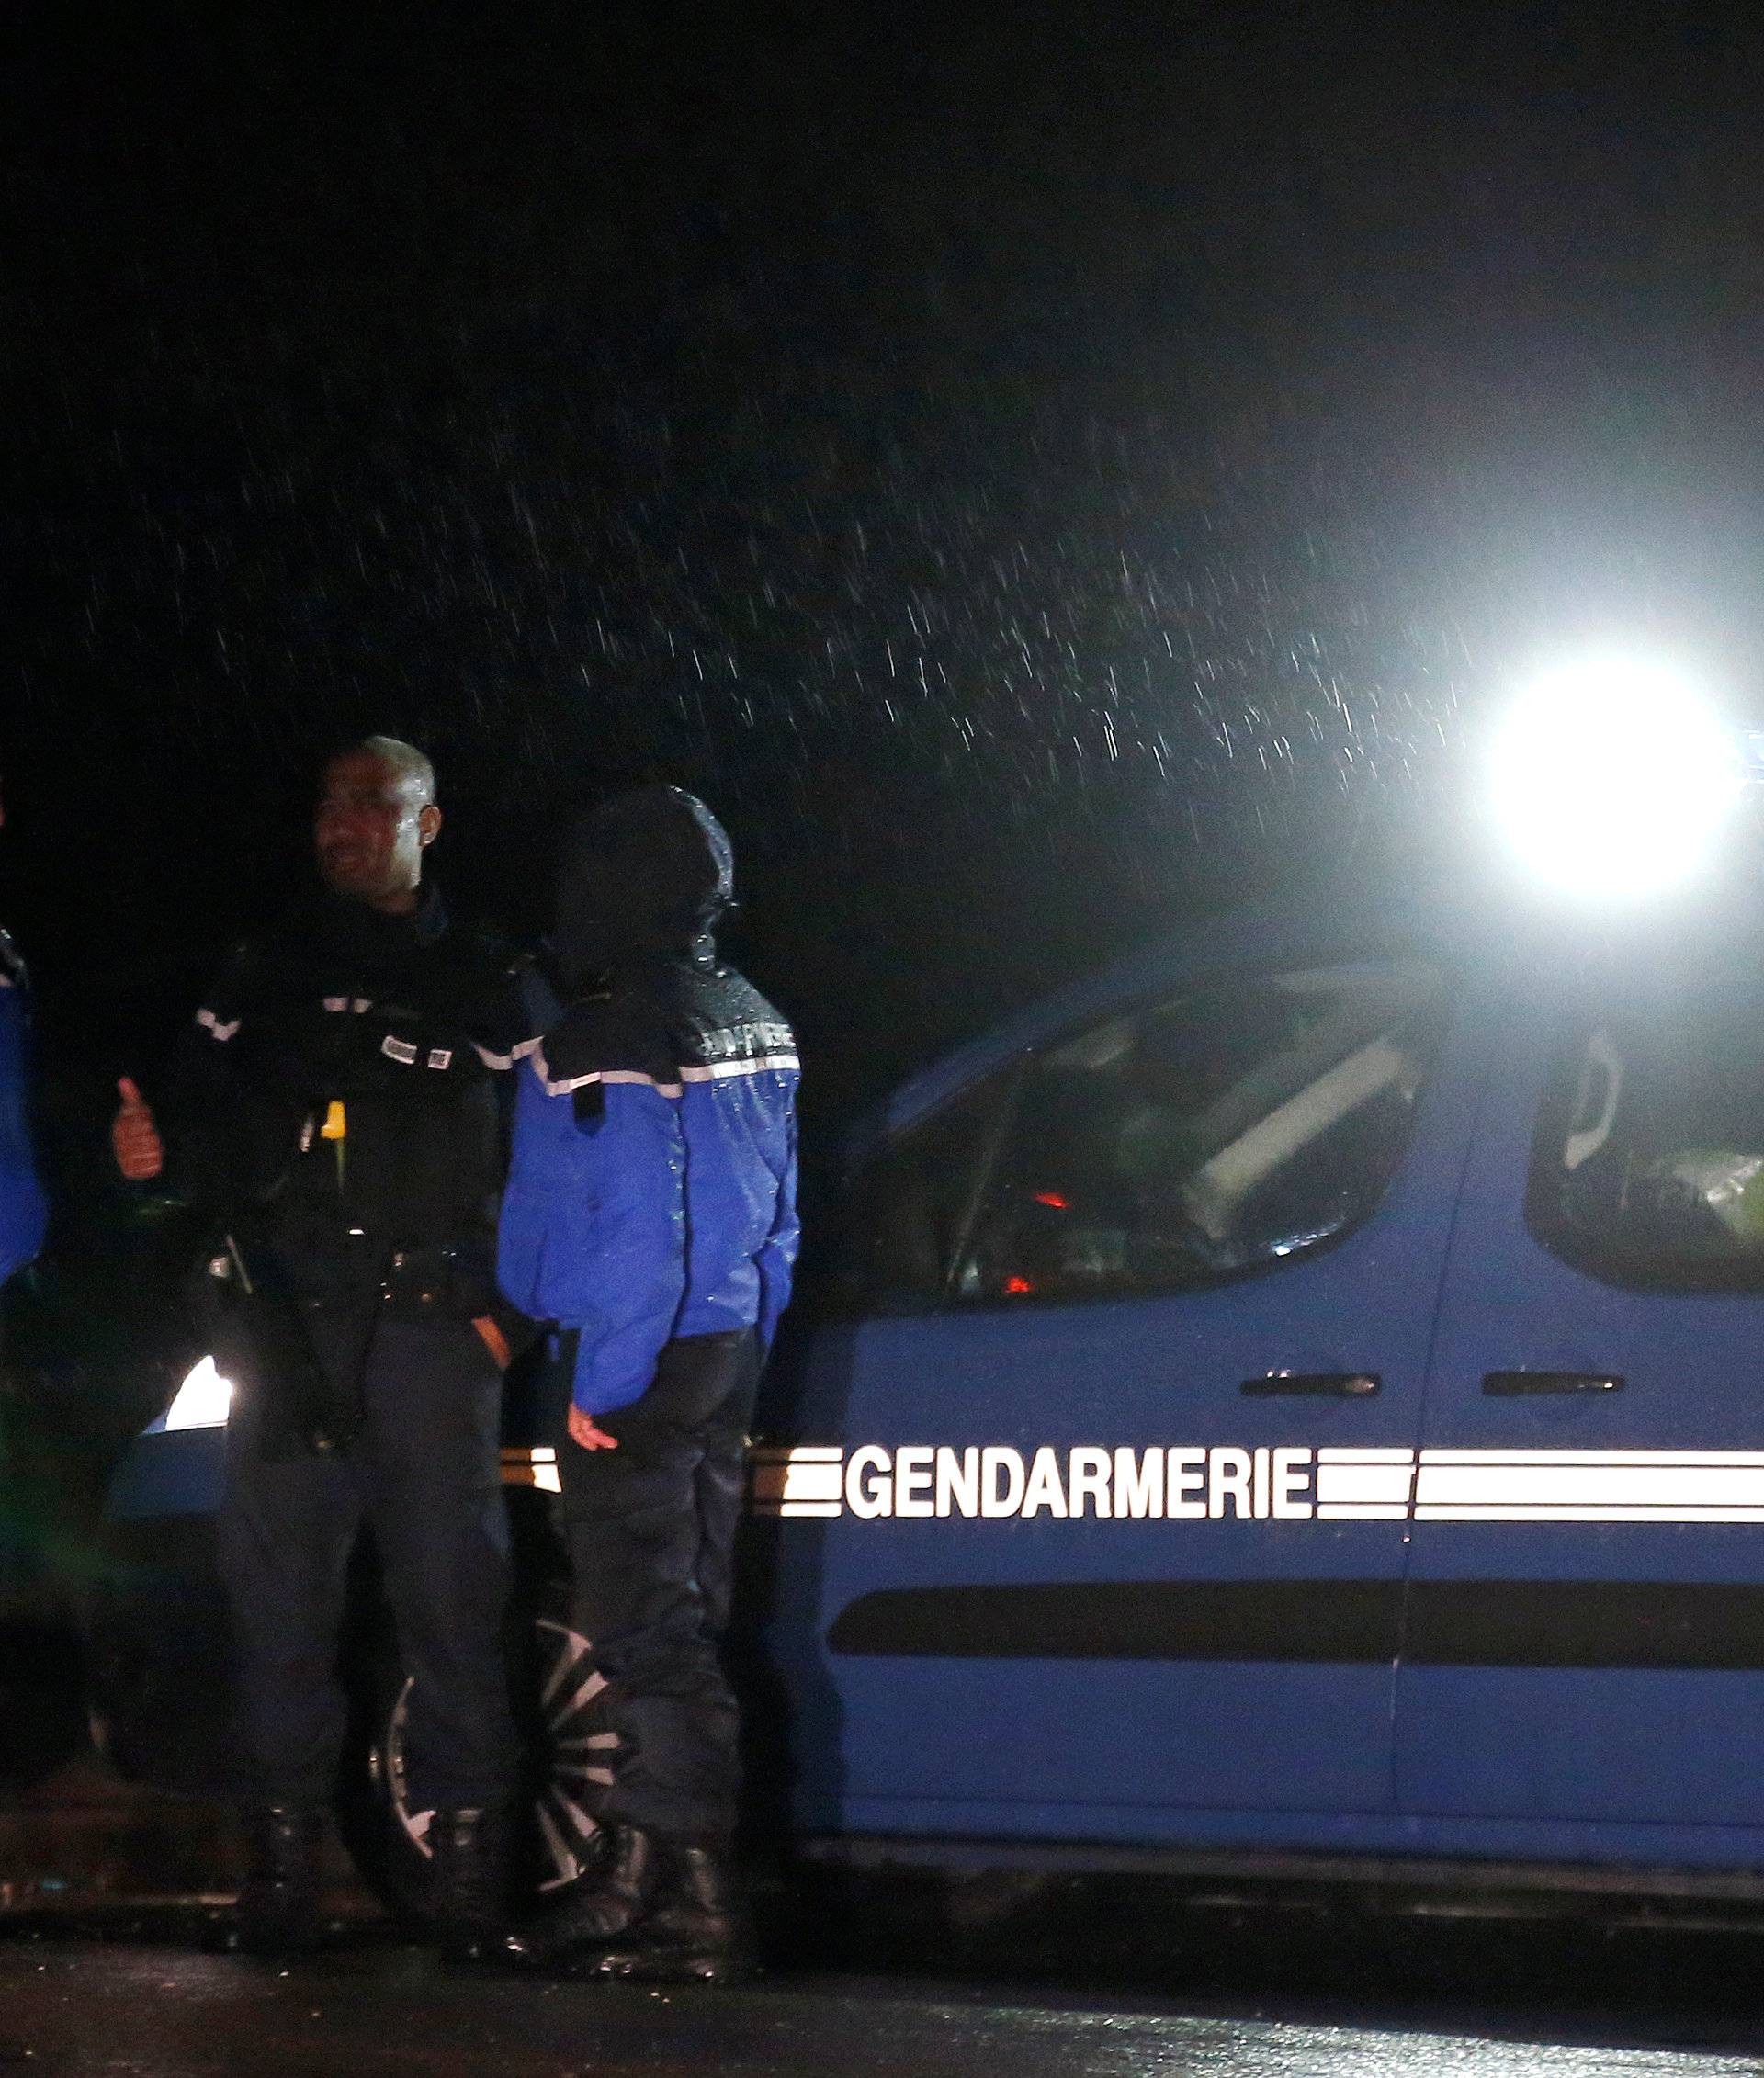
(650, 1212)
(336, 1109)
(22, 1205)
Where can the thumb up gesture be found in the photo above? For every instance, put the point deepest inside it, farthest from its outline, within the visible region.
(139, 1153)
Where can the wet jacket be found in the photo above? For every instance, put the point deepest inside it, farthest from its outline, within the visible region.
(652, 1192)
(23, 1209)
(336, 1108)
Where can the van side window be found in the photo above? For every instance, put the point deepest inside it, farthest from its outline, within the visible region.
(1166, 1148)
(910, 1211)
(1647, 1166)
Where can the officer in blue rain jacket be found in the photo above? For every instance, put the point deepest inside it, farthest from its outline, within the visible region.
(23, 1209)
(651, 1214)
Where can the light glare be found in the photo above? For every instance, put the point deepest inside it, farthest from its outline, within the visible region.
(1613, 779)
(203, 1401)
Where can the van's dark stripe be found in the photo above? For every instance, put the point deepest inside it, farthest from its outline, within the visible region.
(1583, 1623)
(1202, 1619)
(1711, 1626)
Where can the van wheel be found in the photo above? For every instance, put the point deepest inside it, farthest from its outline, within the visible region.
(566, 1758)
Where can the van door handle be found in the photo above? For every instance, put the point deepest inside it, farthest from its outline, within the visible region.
(1314, 1385)
(1511, 1385)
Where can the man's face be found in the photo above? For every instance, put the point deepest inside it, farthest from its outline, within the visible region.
(369, 830)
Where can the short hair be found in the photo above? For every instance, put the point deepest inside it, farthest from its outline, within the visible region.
(405, 760)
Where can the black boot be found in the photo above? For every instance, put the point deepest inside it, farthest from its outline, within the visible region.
(698, 1929)
(603, 1908)
(469, 1886)
(277, 1913)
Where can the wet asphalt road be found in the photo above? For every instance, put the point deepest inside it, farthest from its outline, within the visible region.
(131, 1998)
(151, 2011)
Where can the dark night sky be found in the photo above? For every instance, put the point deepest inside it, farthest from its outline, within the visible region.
(1040, 470)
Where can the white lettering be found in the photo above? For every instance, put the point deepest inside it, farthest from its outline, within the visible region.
(877, 1497)
(1292, 1476)
(912, 1480)
(1044, 1490)
(1227, 1478)
(1087, 1479)
(995, 1459)
(1187, 1475)
(1138, 1483)
(958, 1481)
(1177, 1483)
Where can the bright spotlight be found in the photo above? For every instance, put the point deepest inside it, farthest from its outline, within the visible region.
(203, 1401)
(1613, 778)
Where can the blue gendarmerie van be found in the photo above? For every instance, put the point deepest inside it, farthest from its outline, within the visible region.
(1297, 1401)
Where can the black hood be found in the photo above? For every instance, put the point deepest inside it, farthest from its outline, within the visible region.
(643, 877)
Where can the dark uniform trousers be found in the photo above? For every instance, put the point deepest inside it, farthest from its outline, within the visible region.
(650, 1529)
(425, 1474)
